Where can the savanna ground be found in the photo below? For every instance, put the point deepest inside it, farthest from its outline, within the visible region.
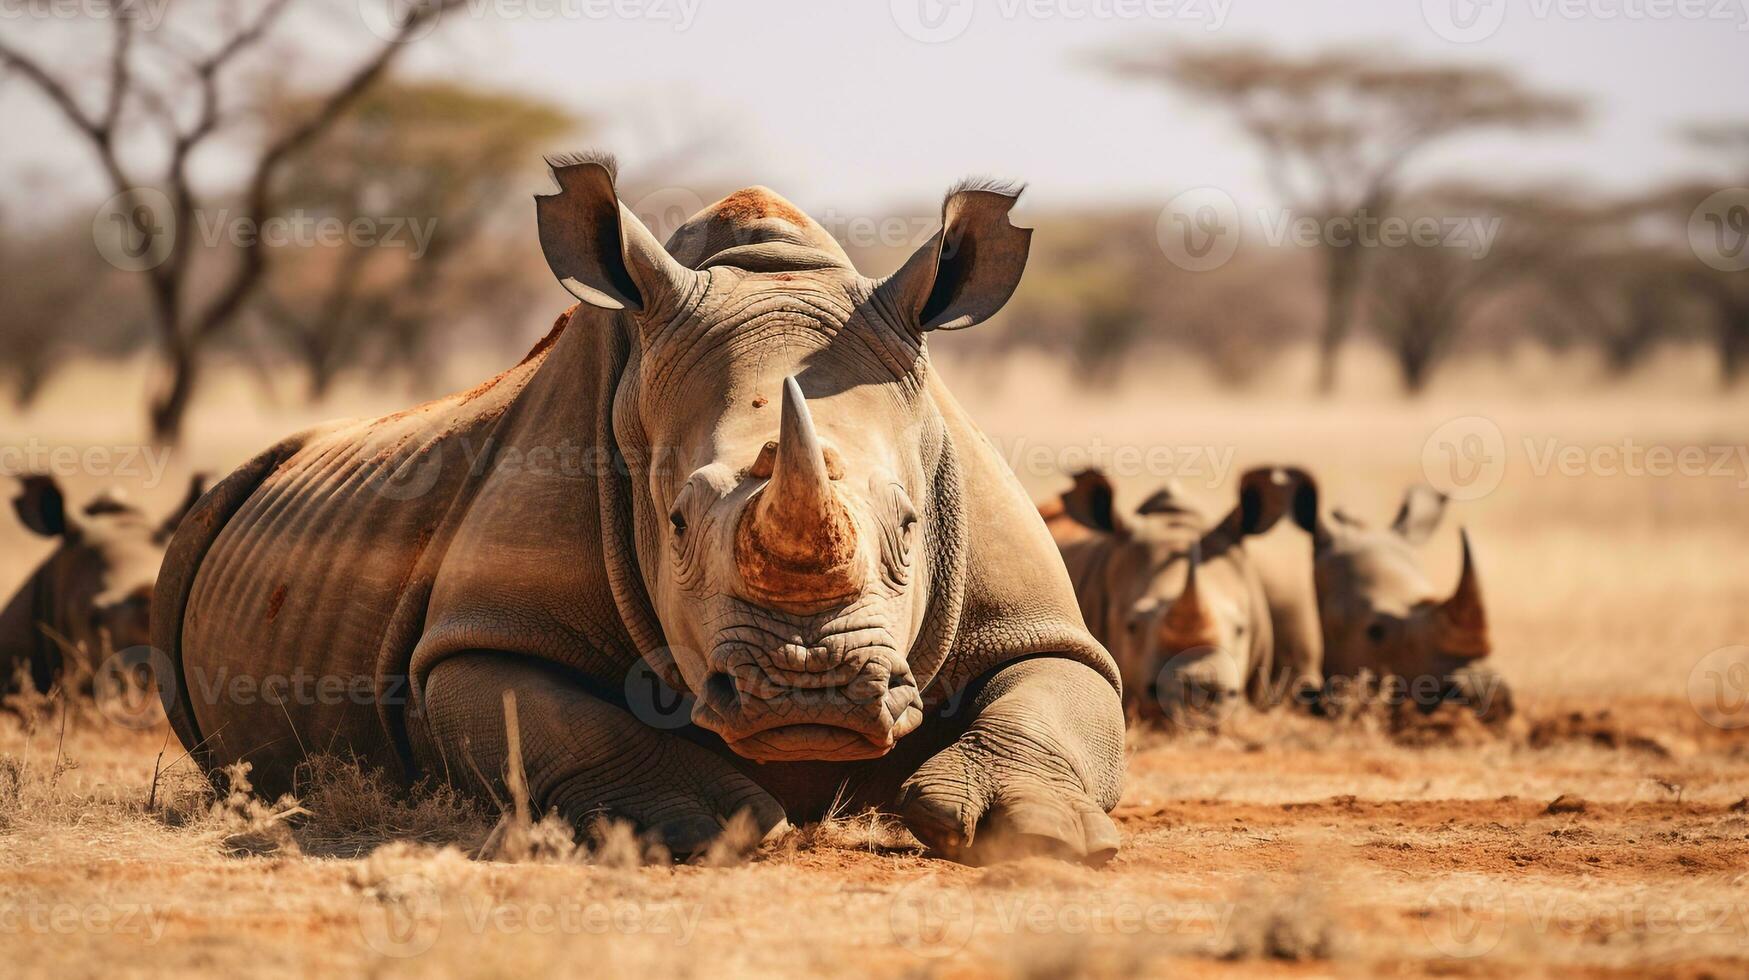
(1276, 845)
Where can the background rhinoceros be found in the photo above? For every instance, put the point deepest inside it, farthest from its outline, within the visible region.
(1380, 614)
(1176, 597)
(93, 592)
(731, 465)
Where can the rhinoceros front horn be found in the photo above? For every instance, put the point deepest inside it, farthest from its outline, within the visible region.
(1188, 621)
(1461, 621)
(796, 543)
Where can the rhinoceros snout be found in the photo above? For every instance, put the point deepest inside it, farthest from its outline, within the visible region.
(834, 715)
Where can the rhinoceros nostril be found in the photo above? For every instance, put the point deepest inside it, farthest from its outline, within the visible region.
(720, 689)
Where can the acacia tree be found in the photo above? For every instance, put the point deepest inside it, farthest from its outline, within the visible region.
(439, 157)
(1723, 227)
(1423, 293)
(1336, 130)
(161, 99)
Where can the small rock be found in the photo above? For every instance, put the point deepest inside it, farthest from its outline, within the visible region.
(1566, 803)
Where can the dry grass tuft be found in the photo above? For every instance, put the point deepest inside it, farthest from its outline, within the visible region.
(251, 825)
(354, 809)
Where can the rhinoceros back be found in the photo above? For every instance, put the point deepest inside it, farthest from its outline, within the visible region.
(297, 586)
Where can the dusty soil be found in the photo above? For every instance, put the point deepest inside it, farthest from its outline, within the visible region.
(1279, 845)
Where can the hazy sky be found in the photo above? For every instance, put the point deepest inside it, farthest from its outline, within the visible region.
(840, 106)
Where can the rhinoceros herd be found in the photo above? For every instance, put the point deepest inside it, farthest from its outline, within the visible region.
(733, 547)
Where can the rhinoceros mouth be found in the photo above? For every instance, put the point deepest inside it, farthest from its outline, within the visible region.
(836, 722)
(807, 742)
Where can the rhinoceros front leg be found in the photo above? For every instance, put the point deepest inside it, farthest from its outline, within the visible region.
(582, 756)
(1035, 772)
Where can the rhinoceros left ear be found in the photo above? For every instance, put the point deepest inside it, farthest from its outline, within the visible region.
(1093, 502)
(599, 250)
(964, 274)
(41, 505)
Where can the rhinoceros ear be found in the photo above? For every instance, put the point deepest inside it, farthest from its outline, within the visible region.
(1266, 494)
(1419, 516)
(597, 247)
(41, 506)
(1093, 502)
(970, 267)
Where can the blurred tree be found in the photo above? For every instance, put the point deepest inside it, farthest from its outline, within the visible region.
(1617, 280)
(406, 161)
(1713, 216)
(162, 97)
(57, 299)
(1425, 290)
(1336, 130)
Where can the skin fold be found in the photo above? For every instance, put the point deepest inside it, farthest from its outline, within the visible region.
(730, 479)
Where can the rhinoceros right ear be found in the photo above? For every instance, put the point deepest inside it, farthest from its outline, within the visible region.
(597, 247)
(964, 274)
(41, 506)
(1266, 494)
(1419, 516)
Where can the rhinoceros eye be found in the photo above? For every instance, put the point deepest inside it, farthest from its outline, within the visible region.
(677, 519)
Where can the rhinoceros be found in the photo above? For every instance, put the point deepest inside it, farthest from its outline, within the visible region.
(1379, 614)
(93, 591)
(731, 466)
(1175, 598)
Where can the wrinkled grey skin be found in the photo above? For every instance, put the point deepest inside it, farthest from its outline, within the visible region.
(779, 511)
(1380, 614)
(94, 591)
(1175, 597)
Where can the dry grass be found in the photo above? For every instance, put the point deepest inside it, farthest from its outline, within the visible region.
(1277, 845)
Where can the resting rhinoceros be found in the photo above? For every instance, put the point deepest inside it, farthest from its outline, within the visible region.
(1380, 614)
(731, 465)
(1175, 598)
(94, 590)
